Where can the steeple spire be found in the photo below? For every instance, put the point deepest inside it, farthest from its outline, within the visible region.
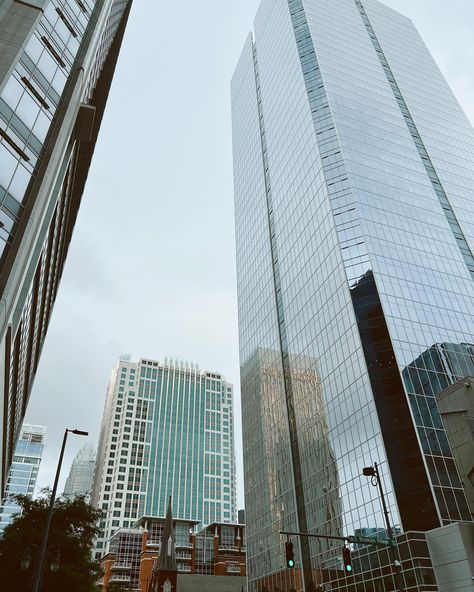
(167, 558)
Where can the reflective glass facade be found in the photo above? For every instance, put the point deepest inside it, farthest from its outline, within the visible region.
(167, 429)
(56, 66)
(81, 474)
(23, 471)
(354, 231)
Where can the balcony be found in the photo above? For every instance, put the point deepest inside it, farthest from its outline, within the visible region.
(186, 545)
(121, 566)
(233, 568)
(183, 555)
(182, 568)
(119, 579)
(228, 547)
(153, 544)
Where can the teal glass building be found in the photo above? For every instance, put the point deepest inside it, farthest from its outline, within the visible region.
(167, 430)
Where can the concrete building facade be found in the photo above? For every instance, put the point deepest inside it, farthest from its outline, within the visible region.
(456, 405)
(452, 553)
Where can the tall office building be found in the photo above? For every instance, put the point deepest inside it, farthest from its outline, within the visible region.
(353, 168)
(81, 473)
(57, 59)
(167, 430)
(23, 471)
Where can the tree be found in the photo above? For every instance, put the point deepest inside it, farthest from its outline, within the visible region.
(71, 539)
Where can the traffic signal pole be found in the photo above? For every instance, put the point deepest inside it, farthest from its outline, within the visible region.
(348, 539)
(346, 552)
(391, 543)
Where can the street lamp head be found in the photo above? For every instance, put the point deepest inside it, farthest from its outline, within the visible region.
(26, 559)
(79, 432)
(55, 559)
(368, 471)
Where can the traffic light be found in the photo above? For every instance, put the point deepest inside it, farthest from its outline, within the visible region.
(290, 555)
(347, 560)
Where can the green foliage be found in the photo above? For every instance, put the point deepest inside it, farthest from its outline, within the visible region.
(73, 530)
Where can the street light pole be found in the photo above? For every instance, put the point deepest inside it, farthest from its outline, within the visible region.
(38, 576)
(384, 504)
(373, 472)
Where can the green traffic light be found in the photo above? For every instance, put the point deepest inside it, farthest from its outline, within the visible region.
(291, 563)
(348, 567)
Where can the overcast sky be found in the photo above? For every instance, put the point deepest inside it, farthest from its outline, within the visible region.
(151, 266)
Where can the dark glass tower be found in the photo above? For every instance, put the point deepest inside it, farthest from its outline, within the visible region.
(57, 59)
(353, 169)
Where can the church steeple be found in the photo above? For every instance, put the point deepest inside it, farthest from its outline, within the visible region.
(165, 571)
(167, 558)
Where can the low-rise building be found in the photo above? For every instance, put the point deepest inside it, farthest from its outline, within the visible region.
(217, 550)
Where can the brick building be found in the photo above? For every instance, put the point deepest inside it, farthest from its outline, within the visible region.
(218, 549)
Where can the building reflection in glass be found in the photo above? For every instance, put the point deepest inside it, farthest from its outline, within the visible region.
(275, 475)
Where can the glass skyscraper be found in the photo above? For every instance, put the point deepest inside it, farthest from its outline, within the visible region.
(57, 59)
(23, 471)
(81, 474)
(353, 173)
(167, 429)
